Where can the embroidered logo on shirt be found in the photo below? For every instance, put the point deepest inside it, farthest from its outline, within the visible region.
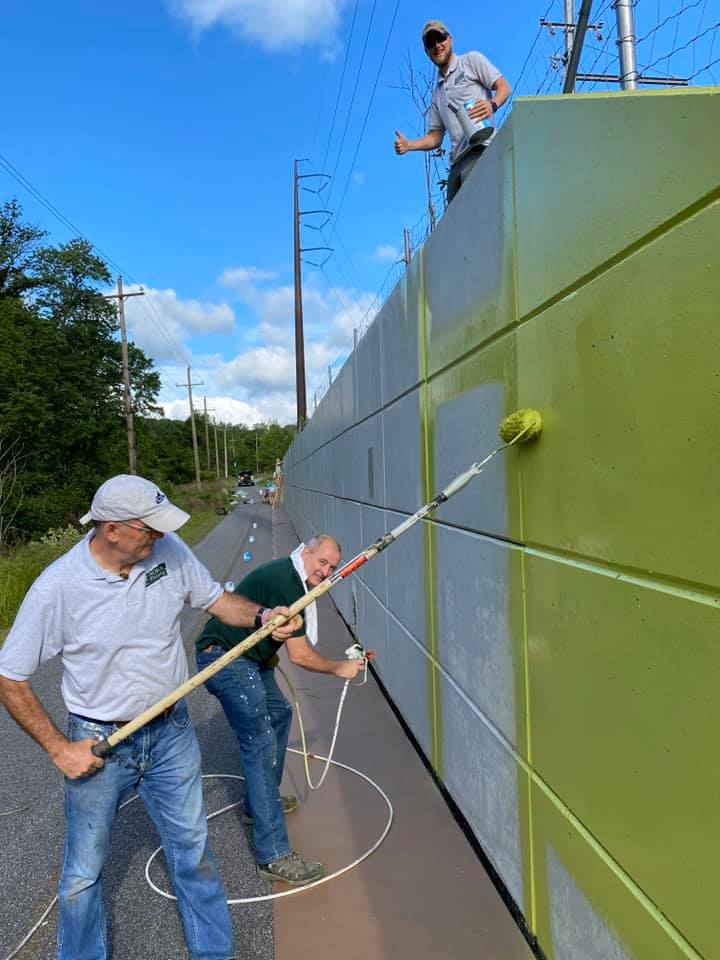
(157, 573)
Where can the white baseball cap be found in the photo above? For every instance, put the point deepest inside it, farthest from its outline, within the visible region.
(126, 497)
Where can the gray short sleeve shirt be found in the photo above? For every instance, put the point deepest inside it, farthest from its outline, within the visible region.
(119, 640)
(470, 76)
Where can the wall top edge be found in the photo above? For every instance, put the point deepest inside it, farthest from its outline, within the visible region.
(523, 102)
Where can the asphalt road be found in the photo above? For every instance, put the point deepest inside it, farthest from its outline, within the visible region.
(142, 924)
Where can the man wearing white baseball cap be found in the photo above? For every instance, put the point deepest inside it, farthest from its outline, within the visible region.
(111, 608)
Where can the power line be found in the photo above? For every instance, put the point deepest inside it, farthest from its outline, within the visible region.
(342, 80)
(367, 114)
(348, 112)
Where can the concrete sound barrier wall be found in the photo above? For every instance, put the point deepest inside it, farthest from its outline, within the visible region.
(552, 636)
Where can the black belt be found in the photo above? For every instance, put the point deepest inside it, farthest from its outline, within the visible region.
(121, 723)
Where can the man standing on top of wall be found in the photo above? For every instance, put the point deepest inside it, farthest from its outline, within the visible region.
(463, 79)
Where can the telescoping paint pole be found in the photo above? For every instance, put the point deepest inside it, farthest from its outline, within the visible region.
(519, 427)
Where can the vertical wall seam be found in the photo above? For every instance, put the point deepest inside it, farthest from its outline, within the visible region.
(429, 530)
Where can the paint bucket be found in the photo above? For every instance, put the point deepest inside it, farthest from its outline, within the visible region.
(475, 131)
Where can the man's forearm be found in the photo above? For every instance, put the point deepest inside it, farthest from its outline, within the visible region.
(235, 610)
(431, 141)
(309, 659)
(26, 710)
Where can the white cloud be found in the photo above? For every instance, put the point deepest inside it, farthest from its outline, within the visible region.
(227, 409)
(274, 24)
(385, 251)
(258, 383)
(159, 322)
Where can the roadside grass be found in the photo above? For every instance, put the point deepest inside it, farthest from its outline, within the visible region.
(20, 566)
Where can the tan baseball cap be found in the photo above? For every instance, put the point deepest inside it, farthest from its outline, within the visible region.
(126, 497)
(434, 26)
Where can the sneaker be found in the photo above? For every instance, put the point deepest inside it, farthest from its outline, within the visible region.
(289, 803)
(292, 869)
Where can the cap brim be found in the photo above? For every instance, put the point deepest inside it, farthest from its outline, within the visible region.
(167, 520)
(86, 518)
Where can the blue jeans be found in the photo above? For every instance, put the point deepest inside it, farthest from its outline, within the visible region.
(162, 763)
(261, 717)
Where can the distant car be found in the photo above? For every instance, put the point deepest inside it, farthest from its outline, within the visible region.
(245, 479)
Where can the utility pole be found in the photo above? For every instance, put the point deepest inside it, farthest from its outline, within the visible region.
(257, 462)
(298, 251)
(207, 434)
(225, 448)
(407, 247)
(626, 38)
(190, 385)
(569, 31)
(217, 458)
(299, 336)
(127, 395)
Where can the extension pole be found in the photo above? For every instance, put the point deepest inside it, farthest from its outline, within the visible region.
(104, 747)
(625, 20)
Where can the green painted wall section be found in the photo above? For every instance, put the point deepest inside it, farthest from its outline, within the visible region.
(599, 304)
(567, 691)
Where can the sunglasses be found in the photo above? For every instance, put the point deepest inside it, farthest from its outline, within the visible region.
(141, 529)
(433, 39)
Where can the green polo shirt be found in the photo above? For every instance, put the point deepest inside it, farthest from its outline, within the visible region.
(274, 584)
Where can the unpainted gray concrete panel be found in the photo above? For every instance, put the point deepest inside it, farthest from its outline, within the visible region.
(403, 454)
(372, 627)
(399, 324)
(368, 381)
(465, 433)
(468, 260)
(374, 574)
(474, 621)
(406, 578)
(409, 682)
(368, 460)
(577, 929)
(482, 777)
(344, 389)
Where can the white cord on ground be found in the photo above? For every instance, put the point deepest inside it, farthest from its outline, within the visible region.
(272, 896)
(308, 886)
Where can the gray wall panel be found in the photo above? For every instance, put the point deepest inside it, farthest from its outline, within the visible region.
(403, 454)
(482, 776)
(474, 626)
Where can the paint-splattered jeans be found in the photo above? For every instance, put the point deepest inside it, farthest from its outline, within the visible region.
(162, 763)
(261, 717)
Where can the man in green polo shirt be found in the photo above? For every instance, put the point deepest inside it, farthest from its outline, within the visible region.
(254, 705)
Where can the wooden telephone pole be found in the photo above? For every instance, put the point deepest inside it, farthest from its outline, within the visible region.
(189, 385)
(127, 395)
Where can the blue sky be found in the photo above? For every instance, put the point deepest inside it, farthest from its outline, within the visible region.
(166, 130)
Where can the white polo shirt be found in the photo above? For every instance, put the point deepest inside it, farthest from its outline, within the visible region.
(470, 76)
(119, 639)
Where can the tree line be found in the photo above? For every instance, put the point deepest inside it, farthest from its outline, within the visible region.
(62, 421)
